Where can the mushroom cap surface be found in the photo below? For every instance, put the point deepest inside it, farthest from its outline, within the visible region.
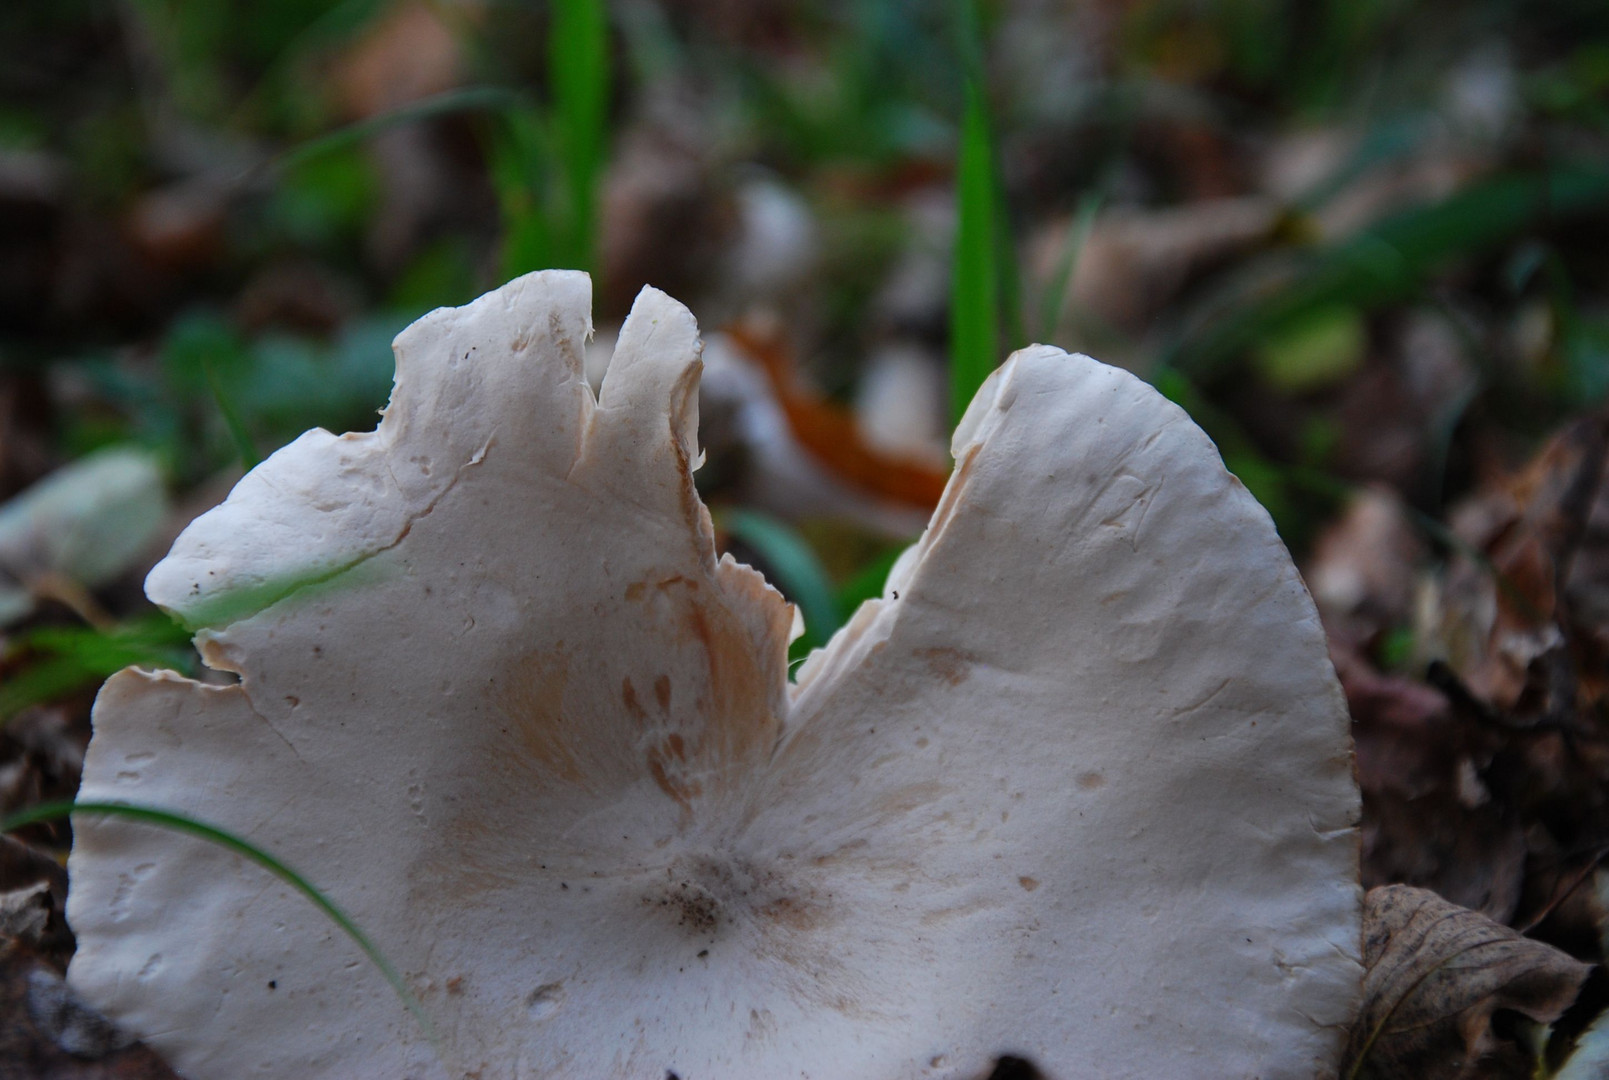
(1078, 788)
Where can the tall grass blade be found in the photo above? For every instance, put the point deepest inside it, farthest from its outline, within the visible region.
(520, 153)
(578, 61)
(244, 446)
(168, 819)
(1050, 305)
(975, 282)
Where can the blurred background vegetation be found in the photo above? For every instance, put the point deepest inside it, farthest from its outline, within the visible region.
(1360, 241)
(1365, 243)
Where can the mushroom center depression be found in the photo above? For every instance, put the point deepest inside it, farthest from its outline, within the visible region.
(708, 897)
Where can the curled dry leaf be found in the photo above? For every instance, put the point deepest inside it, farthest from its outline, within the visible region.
(1077, 790)
(756, 455)
(1436, 974)
(1363, 565)
(25, 912)
(1529, 632)
(1135, 261)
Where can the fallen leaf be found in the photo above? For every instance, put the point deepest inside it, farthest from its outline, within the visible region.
(82, 526)
(830, 434)
(409, 53)
(1526, 628)
(1136, 261)
(24, 913)
(1363, 565)
(1436, 973)
(1430, 815)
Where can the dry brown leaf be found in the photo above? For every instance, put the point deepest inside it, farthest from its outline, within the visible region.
(1436, 974)
(1362, 570)
(409, 53)
(1530, 639)
(1135, 261)
(830, 434)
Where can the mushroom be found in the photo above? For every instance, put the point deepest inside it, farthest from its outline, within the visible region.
(1077, 789)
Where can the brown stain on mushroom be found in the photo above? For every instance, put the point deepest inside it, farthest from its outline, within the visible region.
(666, 764)
(532, 703)
(907, 798)
(1028, 884)
(680, 788)
(762, 1025)
(783, 918)
(719, 725)
(940, 916)
(793, 913)
(628, 698)
(952, 666)
(692, 729)
(1090, 781)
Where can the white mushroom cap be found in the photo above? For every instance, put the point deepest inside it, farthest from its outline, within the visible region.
(1079, 789)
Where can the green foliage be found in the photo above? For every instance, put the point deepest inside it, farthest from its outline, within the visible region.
(442, 274)
(64, 660)
(985, 291)
(211, 55)
(244, 446)
(463, 99)
(879, 100)
(519, 165)
(547, 163)
(1389, 262)
(238, 394)
(1078, 230)
(868, 582)
(1320, 349)
(326, 191)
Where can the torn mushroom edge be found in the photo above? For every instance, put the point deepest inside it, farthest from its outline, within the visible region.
(741, 586)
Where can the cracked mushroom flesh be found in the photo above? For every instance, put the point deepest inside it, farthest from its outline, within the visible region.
(1077, 789)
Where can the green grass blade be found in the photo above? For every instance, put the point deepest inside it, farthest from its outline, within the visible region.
(464, 99)
(1050, 307)
(244, 446)
(799, 572)
(975, 282)
(167, 819)
(72, 657)
(1008, 286)
(578, 60)
(520, 151)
